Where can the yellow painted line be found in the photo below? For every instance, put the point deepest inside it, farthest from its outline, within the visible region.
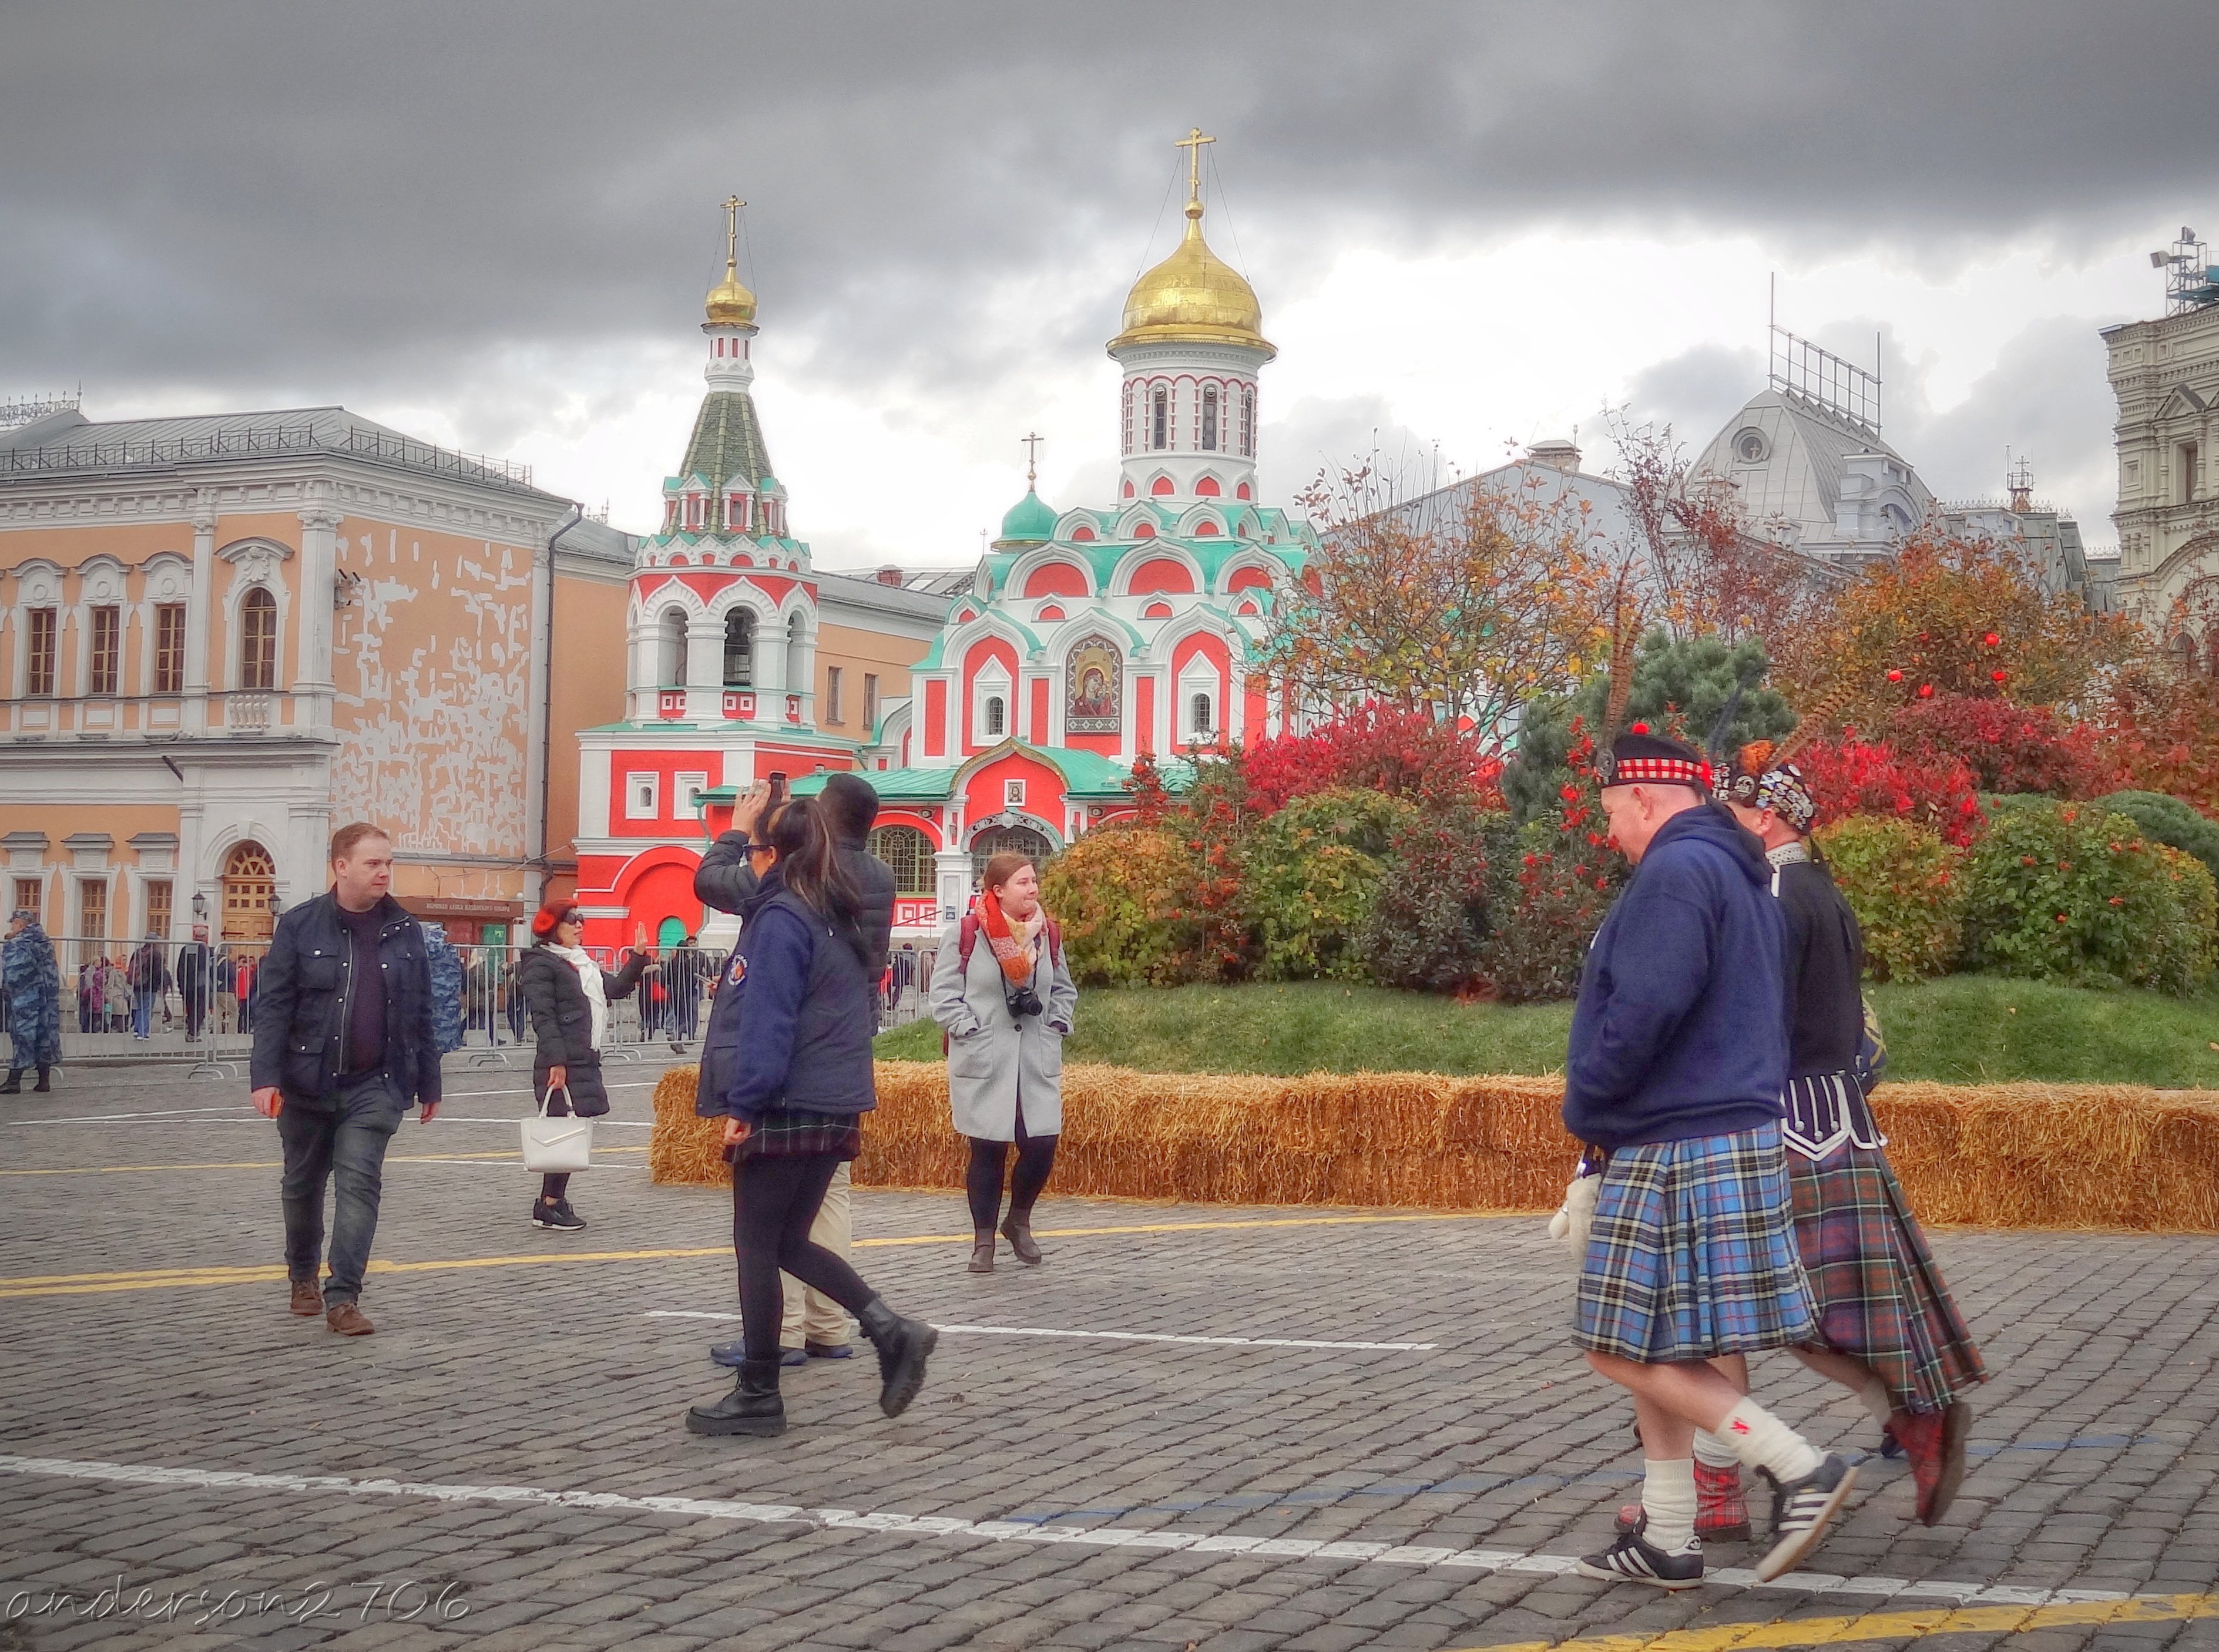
(1913, 1624)
(274, 1164)
(101, 1285)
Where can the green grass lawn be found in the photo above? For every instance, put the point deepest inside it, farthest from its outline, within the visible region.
(1964, 1029)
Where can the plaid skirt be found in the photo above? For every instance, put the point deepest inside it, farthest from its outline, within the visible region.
(1692, 1253)
(1880, 1296)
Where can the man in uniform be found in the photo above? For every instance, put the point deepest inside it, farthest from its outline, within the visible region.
(1678, 1057)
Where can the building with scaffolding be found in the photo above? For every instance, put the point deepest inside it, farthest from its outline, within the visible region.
(2166, 375)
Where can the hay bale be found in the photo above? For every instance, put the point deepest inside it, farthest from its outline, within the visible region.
(2073, 1156)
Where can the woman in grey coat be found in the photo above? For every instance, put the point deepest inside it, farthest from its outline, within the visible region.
(1003, 994)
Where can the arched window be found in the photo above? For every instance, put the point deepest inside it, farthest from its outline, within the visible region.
(1159, 417)
(258, 639)
(1199, 708)
(996, 715)
(670, 666)
(1209, 419)
(1015, 840)
(909, 852)
(1247, 423)
(739, 649)
(797, 657)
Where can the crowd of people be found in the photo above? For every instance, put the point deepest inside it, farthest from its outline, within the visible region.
(1733, 1194)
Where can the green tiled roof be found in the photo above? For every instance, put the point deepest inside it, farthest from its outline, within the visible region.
(727, 442)
(893, 785)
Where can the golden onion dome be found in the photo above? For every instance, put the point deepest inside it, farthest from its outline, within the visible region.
(730, 304)
(1193, 297)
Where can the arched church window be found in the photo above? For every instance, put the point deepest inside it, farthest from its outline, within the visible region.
(670, 662)
(1010, 840)
(258, 639)
(1209, 419)
(909, 852)
(1201, 710)
(996, 715)
(1159, 417)
(797, 657)
(739, 649)
(1247, 425)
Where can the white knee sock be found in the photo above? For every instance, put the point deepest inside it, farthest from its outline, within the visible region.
(1712, 1452)
(1667, 1498)
(1762, 1441)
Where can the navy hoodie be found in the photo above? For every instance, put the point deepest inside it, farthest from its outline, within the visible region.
(1681, 1025)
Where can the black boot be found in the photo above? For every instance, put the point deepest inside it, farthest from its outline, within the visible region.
(15, 1085)
(903, 1346)
(42, 1084)
(752, 1408)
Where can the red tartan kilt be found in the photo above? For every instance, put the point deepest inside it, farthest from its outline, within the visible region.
(1878, 1293)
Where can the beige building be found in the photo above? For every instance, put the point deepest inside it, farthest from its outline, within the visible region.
(2166, 375)
(222, 636)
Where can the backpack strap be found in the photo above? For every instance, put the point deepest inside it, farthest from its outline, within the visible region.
(967, 938)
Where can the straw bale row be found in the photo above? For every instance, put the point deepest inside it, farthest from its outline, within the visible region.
(2079, 1155)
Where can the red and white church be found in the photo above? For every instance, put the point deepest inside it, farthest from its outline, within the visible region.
(1091, 636)
(1084, 638)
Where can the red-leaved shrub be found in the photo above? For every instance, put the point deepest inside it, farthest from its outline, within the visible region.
(1855, 777)
(2008, 747)
(1374, 748)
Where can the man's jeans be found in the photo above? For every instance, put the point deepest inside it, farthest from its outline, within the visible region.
(142, 1012)
(343, 1141)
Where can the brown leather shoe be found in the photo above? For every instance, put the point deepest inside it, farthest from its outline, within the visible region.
(308, 1298)
(349, 1321)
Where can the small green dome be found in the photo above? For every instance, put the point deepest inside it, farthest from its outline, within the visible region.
(1030, 521)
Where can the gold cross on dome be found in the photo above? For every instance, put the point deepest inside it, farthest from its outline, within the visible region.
(1032, 456)
(732, 205)
(1192, 143)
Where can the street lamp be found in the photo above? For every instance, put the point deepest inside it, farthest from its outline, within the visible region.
(200, 906)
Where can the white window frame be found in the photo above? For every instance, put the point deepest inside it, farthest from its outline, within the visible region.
(1201, 676)
(686, 789)
(992, 682)
(649, 807)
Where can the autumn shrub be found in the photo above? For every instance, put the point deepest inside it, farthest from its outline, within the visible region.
(2169, 821)
(2158, 730)
(1309, 875)
(1907, 887)
(2074, 893)
(1124, 897)
(1432, 917)
(1374, 747)
(1850, 776)
(2006, 748)
(1546, 902)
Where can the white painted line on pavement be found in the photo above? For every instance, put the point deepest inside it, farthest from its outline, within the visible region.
(1106, 1336)
(184, 1114)
(929, 1525)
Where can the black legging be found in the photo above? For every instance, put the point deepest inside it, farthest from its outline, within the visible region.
(775, 1201)
(982, 1181)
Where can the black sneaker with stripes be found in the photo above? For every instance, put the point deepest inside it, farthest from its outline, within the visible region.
(1633, 1559)
(1801, 1510)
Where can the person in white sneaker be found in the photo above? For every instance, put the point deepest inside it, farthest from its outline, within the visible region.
(1678, 1057)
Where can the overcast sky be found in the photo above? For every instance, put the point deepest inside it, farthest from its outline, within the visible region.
(1470, 226)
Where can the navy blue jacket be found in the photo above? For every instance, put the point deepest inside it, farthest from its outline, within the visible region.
(302, 999)
(791, 1027)
(1681, 1025)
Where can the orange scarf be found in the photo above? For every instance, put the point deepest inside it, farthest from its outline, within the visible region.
(1012, 945)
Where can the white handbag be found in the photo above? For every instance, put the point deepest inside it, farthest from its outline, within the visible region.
(555, 1145)
(1575, 1216)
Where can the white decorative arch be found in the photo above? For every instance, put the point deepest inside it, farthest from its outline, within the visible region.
(1028, 563)
(257, 565)
(1121, 577)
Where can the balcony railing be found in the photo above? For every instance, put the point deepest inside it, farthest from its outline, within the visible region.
(273, 440)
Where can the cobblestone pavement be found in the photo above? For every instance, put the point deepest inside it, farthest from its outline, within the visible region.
(502, 1465)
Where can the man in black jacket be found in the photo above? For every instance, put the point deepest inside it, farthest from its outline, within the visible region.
(343, 1044)
(728, 879)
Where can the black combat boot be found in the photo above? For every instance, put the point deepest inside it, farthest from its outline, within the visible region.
(903, 1346)
(752, 1408)
(15, 1085)
(42, 1084)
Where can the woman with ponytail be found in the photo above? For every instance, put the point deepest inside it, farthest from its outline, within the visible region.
(786, 1063)
(568, 995)
(1004, 996)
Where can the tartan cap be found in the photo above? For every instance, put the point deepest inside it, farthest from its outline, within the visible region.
(1640, 758)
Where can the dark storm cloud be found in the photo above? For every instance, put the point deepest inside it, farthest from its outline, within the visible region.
(224, 195)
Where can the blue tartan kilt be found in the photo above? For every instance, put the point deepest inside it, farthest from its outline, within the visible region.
(1692, 1252)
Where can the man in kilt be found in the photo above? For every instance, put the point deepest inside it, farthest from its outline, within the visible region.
(1678, 1057)
(1888, 1330)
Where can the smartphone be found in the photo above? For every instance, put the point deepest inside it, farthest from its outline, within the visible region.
(777, 787)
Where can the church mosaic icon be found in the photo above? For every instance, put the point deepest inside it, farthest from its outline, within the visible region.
(1094, 683)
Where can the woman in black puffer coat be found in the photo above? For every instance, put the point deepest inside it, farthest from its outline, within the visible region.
(568, 995)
